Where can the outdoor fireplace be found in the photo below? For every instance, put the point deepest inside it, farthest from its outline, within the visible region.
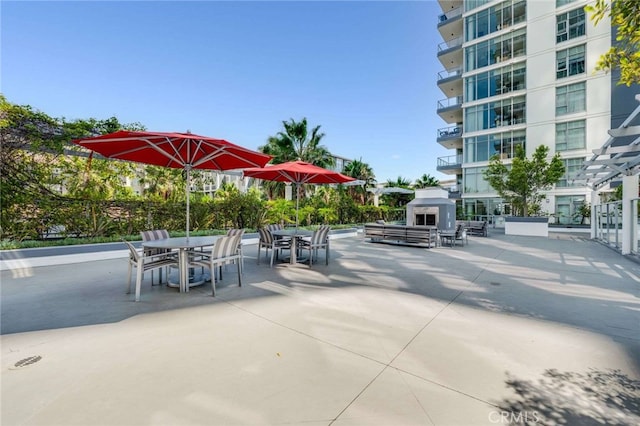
(432, 207)
(425, 216)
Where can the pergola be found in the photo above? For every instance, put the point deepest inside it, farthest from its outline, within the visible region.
(619, 157)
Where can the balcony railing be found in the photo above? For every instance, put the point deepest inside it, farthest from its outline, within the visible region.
(448, 74)
(444, 17)
(450, 161)
(450, 131)
(445, 45)
(450, 102)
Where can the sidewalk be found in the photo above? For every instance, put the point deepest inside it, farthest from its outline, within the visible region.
(501, 329)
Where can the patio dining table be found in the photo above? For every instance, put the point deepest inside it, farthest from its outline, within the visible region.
(294, 234)
(185, 246)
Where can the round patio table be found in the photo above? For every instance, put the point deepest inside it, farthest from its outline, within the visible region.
(185, 247)
(294, 234)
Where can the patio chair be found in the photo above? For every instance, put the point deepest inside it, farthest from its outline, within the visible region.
(276, 245)
(461, 235)
(224, 251)
(319, 239)
(156, 234)
(232, 232)
(145, 263)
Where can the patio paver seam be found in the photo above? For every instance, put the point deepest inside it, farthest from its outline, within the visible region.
(388, 365)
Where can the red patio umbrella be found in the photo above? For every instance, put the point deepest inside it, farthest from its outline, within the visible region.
(177, 150)
(297, 172)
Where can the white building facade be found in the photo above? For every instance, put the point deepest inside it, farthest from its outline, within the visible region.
(521, 72)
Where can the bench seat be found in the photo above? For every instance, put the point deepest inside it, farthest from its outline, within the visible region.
(402, 234)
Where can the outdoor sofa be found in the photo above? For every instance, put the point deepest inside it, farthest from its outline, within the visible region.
(475, 227)
(402, 234)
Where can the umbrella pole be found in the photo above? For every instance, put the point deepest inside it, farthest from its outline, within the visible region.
(297, 202)
(188, 179)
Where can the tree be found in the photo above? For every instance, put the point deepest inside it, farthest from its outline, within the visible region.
(30, 141)
(521, 183)
(296, 143)
(400, 182)
(361, 171)
(397, 199)
(625, 54)
(426, 181)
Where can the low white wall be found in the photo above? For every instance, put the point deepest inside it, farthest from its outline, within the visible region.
(531, 227)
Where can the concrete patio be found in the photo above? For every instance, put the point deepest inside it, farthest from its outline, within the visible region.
(505, 330)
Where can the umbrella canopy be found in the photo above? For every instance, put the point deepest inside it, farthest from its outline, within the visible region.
(387, 190)
(297, 172)
(391, 190)
(176, 150)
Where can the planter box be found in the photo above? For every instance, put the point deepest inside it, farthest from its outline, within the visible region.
(527, 226)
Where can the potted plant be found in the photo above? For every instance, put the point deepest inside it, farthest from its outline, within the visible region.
(522, 186)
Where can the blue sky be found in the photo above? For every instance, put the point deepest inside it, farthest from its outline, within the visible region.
(365, 71)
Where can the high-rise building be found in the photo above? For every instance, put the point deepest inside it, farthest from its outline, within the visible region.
(521, 72)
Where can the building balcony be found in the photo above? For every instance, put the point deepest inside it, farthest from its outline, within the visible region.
(450, 53)
(447, 5)
(450, 137)
(450, 110)
(450, 165)
(450, 82)
(450, 23)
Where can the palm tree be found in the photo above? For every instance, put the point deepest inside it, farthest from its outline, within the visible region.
(296, 143)
(361, 171)
(396, 199)
(400, 182)
(426, 181)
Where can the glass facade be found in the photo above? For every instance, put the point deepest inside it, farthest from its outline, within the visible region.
(473, 181)
(482, 148)
(505, 112)
(496, 82)
(495, 50)
(494, 19)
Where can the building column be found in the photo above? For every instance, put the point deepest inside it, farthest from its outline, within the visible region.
(629, 231)
(595, 202)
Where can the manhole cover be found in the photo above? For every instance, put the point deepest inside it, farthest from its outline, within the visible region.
(27, 361)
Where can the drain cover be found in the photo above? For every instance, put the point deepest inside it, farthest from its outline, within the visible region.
(494, 283)
(27, 361)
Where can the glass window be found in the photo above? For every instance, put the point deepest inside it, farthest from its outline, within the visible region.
(567, 209)
(473, 4)
(560, 3)
(491, 83)
(482, 148)
(498, 49)
(570, 135)
(474, 181)
(571, 168)
(570, 98)
(570, 61)
(505, 112)
(570, 25)
(494, 19)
